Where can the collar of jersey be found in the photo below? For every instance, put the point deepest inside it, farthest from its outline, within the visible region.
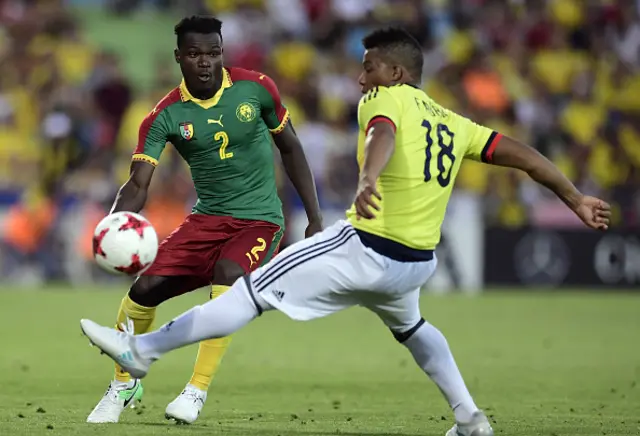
(185, 95)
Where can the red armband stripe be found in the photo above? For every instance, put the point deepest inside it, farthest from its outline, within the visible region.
(169, 99)
(380, 119)
(490, 146)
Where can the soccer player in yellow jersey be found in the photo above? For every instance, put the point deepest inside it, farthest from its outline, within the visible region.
(410, 150)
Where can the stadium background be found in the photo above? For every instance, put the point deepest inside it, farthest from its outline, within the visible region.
(78, 76)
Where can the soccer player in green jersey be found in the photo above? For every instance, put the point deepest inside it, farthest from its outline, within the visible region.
(222, 122)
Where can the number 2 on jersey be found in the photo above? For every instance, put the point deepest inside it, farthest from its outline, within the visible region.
(222, 136)
(445, 154)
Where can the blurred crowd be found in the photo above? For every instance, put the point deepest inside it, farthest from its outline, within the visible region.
(561, 75)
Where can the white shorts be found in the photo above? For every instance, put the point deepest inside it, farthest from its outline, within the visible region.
(332, 271)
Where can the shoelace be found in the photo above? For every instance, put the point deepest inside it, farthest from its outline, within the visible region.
(128, 326)
(112, 394)
(193, 396)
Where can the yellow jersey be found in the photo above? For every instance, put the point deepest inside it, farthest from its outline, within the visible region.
(416, 184)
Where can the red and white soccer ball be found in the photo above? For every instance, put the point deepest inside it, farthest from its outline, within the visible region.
(125, 243)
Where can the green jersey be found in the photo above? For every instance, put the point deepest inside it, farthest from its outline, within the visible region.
(226, 141)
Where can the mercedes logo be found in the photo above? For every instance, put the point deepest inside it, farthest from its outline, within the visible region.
(541, 258)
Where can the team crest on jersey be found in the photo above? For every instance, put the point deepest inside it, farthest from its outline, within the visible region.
(186, 130)
(246, 112)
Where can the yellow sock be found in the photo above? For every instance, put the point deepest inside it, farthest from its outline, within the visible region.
(142, 318)
(210, 353)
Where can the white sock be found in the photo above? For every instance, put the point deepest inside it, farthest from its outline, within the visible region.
(431, 352)
(217, 318)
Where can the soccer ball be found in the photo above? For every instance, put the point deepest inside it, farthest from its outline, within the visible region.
(125, 243)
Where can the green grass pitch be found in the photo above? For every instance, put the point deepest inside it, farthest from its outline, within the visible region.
(538, 363)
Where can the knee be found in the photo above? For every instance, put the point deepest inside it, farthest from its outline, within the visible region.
(403, 336)
(227, 272)
(141, 292)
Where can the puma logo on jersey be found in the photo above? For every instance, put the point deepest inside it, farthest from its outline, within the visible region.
(219, 121)
(262, 76)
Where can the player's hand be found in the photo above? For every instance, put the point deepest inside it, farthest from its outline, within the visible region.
(315, 226)
(594, 212)
(364, 199)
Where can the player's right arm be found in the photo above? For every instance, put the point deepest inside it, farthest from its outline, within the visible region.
(132, 196)
(152, 138)
(378, 118)
(501, 150)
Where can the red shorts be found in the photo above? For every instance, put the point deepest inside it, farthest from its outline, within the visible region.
(202, 240)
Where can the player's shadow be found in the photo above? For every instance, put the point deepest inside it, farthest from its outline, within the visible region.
(261, 431)
(342, 433)
(269, 432)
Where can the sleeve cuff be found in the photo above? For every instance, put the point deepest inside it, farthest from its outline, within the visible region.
(139, 157)
(380, 119)
(282, 125)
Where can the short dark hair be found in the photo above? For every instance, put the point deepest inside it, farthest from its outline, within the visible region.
(398, 46)
(197, 24)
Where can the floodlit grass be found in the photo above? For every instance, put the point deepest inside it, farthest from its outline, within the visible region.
(538, 363)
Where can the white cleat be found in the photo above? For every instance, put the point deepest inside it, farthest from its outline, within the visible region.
(120, 346)
(187, 406)
(119, 395)
(478, 426)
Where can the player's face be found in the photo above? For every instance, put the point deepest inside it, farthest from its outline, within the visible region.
(375, 72)
(200, 59)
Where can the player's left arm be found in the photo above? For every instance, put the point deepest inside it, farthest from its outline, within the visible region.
(595, 213)
(276, 116)
(298, 170)
(493, 148)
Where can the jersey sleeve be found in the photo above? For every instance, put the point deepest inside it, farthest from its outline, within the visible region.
(152, 138)
(274, 113)
(482, 141)
(378, 105)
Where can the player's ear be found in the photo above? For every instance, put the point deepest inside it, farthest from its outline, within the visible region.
(397, 73)
(176, 55)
